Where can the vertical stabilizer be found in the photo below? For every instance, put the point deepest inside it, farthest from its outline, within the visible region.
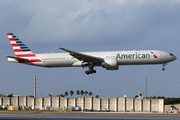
(20, 49)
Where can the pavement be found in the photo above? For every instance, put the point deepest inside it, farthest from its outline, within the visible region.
(85, 117)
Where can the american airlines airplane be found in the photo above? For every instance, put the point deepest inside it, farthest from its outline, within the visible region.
(109, 60)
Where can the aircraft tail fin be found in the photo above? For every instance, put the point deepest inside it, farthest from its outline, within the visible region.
(20, 49)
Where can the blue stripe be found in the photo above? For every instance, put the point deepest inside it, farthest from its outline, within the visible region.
(26, 50)
(16, 39)
(19, 42)
(23, 45)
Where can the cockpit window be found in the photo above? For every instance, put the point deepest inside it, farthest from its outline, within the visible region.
(171, 54)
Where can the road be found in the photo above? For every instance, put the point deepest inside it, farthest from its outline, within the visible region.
(82, 117)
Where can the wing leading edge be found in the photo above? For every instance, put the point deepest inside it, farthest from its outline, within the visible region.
(83, 57)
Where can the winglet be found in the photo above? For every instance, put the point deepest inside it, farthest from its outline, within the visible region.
(65, 50)
(62, 48)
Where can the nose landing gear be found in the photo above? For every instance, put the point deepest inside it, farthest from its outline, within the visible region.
(163, 69)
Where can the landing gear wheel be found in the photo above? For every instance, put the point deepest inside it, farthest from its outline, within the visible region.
(94, 71)
(87, 72)
(90, 71)
(163, 69)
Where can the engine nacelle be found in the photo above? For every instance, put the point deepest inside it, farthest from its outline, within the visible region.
(80, 64)
(110, 64)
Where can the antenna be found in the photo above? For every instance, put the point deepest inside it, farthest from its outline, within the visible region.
(34, 86)
(146, 87)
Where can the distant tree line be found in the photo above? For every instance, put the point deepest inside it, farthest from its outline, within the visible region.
(78, 92)
(167, 101)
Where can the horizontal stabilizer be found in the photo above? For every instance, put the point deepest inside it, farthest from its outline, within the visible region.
(15, 58)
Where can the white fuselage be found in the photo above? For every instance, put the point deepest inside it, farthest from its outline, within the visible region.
(110, 60)
(122, 57)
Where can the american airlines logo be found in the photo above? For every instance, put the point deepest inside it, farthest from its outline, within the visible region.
(153, 55)
(135, 56)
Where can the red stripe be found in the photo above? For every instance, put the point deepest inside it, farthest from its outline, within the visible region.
(34, 60)
(18, 50)
(38, 60)
(11, 39)
(8, 34)
(14, 44)
(30, 60)
(26, 55)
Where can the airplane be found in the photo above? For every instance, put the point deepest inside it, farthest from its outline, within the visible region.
(110, 60)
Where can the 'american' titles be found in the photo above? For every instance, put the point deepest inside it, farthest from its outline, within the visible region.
(132, 56)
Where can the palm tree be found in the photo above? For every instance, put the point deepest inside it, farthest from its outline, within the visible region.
(50, 95)
(11, 95)
(97, 96)
(61, 95)
(82, 92)
(77, 92)
(90, 93)
(71, 92)
(136, 96)
(86, 93)
(66, 93)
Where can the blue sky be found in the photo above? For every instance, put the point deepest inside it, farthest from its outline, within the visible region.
(91, 25)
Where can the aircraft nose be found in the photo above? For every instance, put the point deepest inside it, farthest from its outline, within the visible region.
(175, 57)
(172, 57)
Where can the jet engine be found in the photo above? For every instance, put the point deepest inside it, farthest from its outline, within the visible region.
(80, 64)
(110, 64)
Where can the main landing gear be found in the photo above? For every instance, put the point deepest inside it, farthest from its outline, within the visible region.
(90, 71)
(163, 69)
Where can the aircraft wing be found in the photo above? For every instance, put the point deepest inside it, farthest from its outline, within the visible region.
(16, 58)
(84, 57)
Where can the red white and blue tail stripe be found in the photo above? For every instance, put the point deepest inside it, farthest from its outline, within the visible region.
(21, 50)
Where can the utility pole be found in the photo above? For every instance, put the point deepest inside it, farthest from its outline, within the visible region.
(146, 88)
(34, 86)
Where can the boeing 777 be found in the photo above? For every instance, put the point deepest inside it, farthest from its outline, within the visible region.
(109, 60)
